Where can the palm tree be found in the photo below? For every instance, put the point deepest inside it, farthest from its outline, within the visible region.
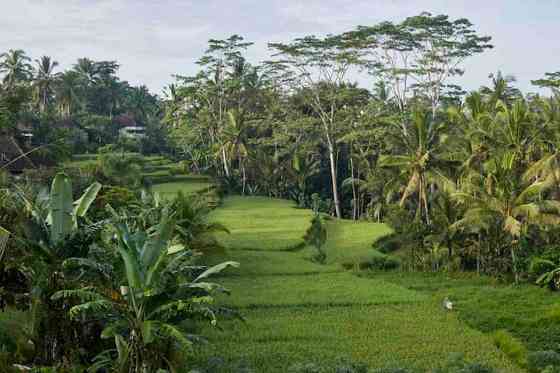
(502, 89)
(547, 167)
(234, 137)
(67, 93)
(44, 81)
(87, 70)
(499, 197)
(421, 162)
(15, 66)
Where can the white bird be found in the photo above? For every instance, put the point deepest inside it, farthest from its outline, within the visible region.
(447, 304)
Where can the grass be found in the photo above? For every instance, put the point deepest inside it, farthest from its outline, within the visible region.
(415, 335)
(298, 311)
(529, 313)
(326, 289)
(262, 223)
(276, 263)
(164, 175)
(186, 184)
(351, 241)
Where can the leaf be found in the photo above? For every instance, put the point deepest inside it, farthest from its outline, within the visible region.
(512, 226)
(209, 287)
(148, 331)
(61, 212)
(172, 332)
(174, 249)
(132, 269)
(84, 294)
(4, 236)
(82, 205)
(114, 329)
(216, 269)
(94, 307)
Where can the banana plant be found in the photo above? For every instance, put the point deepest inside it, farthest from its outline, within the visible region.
(158, 290)
(55, 216)
(4, 237)
(54, 236)
(550, 279)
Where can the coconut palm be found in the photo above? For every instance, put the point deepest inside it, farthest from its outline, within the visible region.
(421, 162)
(234, 137)
(67, 92)
(16, 67)
(44, 81)
(547, 167)
(87, 70)
(499, 197)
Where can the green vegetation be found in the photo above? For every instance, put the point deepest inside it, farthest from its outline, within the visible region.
(298, 311)
(262, 223)
(451, 197)
(531, 314)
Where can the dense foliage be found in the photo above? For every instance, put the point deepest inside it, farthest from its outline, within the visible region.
(113, 277)
(58, 113)
(469, 180)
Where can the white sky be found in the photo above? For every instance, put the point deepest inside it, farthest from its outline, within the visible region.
(153, 39)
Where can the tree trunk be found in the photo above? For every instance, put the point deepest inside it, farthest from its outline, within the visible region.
(514, 264)
(333, 179)
(355, 203)
(224, 160)
(244, 178)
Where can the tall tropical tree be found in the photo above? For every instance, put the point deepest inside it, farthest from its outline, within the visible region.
(501, 198)
(319, 67)
(68, 93)
(44, 81)
(421, 161)
(16, 67)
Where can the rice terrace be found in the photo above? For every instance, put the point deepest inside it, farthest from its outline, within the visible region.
(280, 187)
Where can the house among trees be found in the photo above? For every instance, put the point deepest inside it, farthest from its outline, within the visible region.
(129, 127)
(12, 156)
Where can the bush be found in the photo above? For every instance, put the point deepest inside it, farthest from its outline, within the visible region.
(382, 262)
(117, 197)
(539, 266)
(316, 236)
(121, 168)
(341, 366)
(541, 360)
(375, 261)
(387, 244)
(458, 364)
(511, 346)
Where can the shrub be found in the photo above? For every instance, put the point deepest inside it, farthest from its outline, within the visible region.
(374, 261)
(316, 236)
(305, 368)
(458, 364)
(539, 266)
(511, 346)
(117, 197)
(341, 366)
(541, 360)
(121, 168)
(387, 244)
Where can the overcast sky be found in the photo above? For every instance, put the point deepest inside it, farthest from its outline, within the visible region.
(153, 39)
